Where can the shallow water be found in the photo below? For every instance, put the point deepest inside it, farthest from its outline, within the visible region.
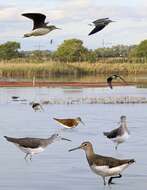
(56, 168)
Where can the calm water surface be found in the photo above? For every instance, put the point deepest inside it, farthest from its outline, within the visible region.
(56, 168)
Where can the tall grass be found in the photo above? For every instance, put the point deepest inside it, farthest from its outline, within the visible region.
(47, 69)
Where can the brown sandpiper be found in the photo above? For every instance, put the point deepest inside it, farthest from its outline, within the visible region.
(31, 146)
(102, 165)
(119, 135)
(69, 123)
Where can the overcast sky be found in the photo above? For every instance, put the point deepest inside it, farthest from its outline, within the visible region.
(73, 16)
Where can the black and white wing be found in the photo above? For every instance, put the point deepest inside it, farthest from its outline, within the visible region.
(96, 29)
(38, 19)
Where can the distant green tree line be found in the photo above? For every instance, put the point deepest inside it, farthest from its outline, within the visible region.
(73, 50)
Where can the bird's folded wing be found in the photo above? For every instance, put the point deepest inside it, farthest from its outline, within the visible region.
(109, 161)
(68, 122)
(25, 142)
(114, 133)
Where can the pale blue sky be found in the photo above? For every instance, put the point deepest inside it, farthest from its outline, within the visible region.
(73, 16)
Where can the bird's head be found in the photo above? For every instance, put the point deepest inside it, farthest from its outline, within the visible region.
(108, 21)
(57, 137)
(123, 118)
(80, 120)
(87, 146)
(52, 27)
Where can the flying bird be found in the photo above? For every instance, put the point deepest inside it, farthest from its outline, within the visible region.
(100, 24)
(69, 123)
(40, 27)
(114, 77)
(31, 146)
(102, 165)
(119, 135)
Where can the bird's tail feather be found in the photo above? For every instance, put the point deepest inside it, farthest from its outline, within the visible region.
(131, 161)
(106, 134)
(10, 139)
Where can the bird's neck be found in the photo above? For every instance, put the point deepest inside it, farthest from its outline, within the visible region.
(125, 126)
(89, 152)
(50, 140)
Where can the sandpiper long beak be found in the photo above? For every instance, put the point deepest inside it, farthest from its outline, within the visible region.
(74, 149)
(59, 28)
(65, 139)
(82, 122)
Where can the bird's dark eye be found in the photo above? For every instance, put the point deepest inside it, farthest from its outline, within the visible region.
(85, 144)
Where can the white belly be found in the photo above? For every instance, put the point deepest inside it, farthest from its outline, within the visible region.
(39, 32)
(31, 151)
(36, 108)
(121, 139)
(66, 125)
(106, 171)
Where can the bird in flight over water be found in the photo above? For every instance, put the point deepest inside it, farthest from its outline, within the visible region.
(114, 77)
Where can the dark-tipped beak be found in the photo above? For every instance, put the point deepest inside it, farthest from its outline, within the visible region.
(74, 149)
(59, 28)
(82, 122)
(65, 139)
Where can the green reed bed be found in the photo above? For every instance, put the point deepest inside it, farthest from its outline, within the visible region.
(47, 69)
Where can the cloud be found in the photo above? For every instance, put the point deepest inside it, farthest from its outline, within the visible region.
(74, 16)
(9, 13)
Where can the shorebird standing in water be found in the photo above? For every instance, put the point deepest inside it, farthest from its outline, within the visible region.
(119, 135)
(37, 106)
(15, 98)
(114, 77)
(100, 24)
(102, 165)
(40, 26)
(69, 123)
(31, 146)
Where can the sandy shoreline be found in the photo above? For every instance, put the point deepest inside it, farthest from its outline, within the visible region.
(58, 84)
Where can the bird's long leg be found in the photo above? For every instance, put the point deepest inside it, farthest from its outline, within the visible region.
(110, 180)
(104, 180)
(26, 156)
(30, 157)
(116, 146)
(41, 107)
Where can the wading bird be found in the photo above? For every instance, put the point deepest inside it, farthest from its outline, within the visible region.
(69, 123)
(40, 26)
(31, 146)
(102, 165)
(100, 24)
(119, 135)
(37, 106)
(114, 77)
(15, 98)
